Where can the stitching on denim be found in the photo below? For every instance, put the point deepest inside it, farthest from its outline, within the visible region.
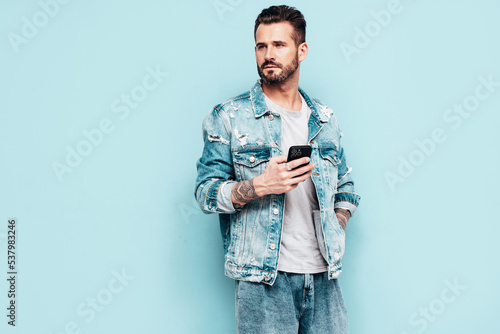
(208, 190)
(347, 192)
(347, 200)
(216, 193)
(247, 269)
(245, 95)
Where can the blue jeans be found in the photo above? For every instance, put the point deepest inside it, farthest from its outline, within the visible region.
(295, 303)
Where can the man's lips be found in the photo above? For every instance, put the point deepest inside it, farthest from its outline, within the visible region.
(270, 66)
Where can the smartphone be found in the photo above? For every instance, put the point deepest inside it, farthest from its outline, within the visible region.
(299, 151)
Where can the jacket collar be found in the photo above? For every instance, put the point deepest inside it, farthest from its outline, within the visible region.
(260, 107)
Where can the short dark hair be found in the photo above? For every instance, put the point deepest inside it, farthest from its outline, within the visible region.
(283, 13)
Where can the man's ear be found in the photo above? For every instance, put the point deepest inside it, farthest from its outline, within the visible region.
(303, 50)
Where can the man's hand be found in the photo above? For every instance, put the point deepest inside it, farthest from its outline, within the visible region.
(343, 216)
(276, 179)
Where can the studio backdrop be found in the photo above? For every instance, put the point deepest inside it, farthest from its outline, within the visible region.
(101, 106)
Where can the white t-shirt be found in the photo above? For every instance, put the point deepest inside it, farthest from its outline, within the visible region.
(299, 250)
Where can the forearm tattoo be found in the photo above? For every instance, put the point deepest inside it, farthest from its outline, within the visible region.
(244, 192)
(343, 216)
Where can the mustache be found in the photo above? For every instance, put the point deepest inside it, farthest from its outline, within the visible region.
(268, 62)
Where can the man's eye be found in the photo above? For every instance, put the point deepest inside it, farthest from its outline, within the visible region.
(279, 45)
(260, 47)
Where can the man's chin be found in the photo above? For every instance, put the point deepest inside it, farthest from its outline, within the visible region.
(271, 73)
(270, 82)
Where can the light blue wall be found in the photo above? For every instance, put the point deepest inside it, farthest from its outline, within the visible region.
(428, 216)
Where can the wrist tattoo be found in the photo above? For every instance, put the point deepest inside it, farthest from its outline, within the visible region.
(343, 216)
(342, 221)
(244, 192)
(344, 212)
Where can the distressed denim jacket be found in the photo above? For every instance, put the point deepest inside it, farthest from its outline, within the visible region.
(240, 137)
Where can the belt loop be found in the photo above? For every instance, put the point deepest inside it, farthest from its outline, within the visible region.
(308, 282)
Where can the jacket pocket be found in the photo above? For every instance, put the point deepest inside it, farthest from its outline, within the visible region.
(251, 162)
(330, 162)
(319, 233)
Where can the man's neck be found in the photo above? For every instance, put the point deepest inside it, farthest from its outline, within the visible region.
(286, 94)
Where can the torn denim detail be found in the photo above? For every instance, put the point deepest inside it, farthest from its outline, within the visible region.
(346, 173)
(214, 138)
(240, 137)
(327, 111)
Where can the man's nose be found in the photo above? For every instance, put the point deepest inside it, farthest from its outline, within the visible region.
(270, 55)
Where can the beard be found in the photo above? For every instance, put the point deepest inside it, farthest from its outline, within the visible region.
(273, 78)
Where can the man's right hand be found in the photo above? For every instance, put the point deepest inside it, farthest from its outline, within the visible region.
(277, 179)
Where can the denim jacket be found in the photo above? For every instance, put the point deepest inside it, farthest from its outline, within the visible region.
(240, 136)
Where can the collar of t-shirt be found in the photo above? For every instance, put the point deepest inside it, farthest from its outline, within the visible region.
(285, 112)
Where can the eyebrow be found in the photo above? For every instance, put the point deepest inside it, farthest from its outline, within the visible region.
(274, 42)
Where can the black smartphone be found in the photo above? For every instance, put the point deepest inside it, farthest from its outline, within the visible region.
(299, 151)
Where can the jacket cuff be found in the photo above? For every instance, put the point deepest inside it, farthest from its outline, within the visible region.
(211, 196)
(347, 201)
(224, 197)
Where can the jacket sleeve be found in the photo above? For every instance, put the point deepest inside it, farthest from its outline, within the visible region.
(346, 196)
(215, 166)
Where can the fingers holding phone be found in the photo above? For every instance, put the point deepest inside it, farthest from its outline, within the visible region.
(298, 160)
(283, 173)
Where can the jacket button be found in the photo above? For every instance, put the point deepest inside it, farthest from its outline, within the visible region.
(252, 158)
(271, 117)
(272, 246)
(276, 211)
(267, 277)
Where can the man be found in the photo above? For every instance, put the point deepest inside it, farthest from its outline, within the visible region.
(282, 223)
